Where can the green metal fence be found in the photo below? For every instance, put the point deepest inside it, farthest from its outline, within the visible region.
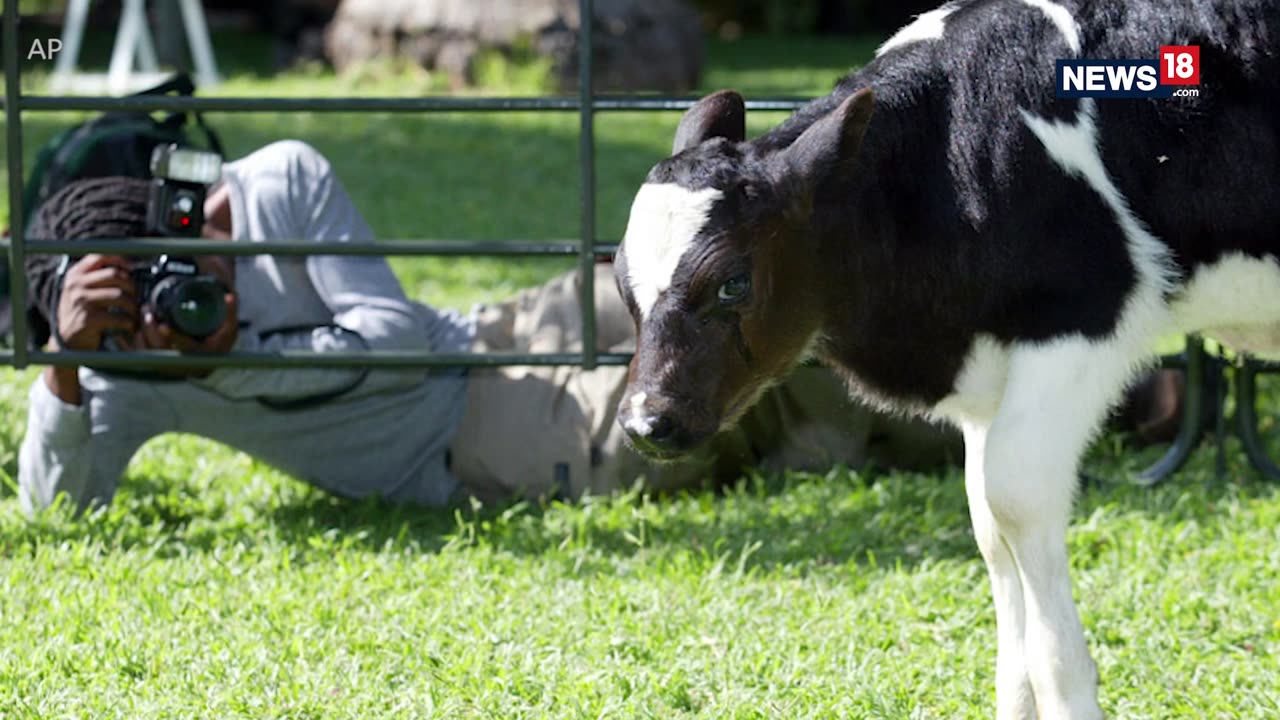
(586, 248)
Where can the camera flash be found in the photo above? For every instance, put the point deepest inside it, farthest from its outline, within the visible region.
(186, 165)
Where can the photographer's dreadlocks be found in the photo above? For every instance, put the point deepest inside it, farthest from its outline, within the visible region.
(95, 208)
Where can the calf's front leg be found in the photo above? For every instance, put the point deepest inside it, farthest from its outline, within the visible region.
(1014, 698)
(1055, 397)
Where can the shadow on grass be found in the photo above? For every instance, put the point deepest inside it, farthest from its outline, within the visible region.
(794, 522)
(791, 520)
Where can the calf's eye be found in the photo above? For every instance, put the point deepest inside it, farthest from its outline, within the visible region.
(734, 289)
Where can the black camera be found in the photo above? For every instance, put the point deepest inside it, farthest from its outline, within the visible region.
(192, 304)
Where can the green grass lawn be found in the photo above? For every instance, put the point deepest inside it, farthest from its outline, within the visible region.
(217, 587)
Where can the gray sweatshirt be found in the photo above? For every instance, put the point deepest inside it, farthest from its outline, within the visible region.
(386, 436)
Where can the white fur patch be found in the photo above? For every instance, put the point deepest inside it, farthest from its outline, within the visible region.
(1235, 300)
(665, 218)
(979, 386)
(637, 400)
(1074, 148)
(1061, 17)
(639, 423)
(926, 26)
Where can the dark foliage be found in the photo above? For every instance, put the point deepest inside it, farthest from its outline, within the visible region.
(828, 16)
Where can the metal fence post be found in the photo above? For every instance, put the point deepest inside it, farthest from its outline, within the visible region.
(587, 161)
(13, 132)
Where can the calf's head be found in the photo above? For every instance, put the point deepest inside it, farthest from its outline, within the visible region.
(726, 291)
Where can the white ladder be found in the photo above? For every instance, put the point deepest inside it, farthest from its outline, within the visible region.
(133, 42)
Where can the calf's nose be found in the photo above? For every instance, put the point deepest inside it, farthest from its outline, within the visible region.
(649, 428)
(660, 428)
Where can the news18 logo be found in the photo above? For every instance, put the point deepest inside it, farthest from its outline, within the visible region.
(1176, 66)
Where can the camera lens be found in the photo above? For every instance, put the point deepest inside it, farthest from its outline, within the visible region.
(194, 307)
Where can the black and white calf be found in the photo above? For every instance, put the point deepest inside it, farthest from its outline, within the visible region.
(961, 243)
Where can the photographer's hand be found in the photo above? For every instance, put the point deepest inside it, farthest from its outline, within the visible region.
(98, 296)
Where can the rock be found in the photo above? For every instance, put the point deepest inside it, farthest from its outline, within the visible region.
(639, 44)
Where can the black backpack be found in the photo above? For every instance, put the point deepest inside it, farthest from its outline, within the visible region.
(115, 143)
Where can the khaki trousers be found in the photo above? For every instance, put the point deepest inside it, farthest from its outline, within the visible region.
(551, 431)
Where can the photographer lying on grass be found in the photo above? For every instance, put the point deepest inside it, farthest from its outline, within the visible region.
(404, 435)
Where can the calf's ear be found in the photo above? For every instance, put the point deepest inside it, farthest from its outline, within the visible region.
(720, 114)
(832, 142)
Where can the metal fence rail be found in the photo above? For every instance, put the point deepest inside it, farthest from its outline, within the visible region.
(586, 248)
